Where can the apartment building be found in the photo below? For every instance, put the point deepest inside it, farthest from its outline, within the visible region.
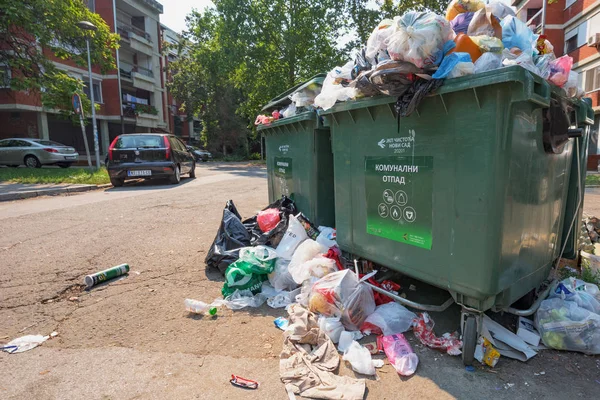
(573, 27)
(131, 97)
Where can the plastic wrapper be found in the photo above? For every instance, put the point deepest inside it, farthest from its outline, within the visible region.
(500, 10)
(289, 111)
(340, 294)
(461, 69)
(572, 86)
(524, 59)
(361, 63)
(250, 271)
(332, 327)
(292, 238)
(460, 23)
(449, 63)
(400, 354)
(280, 278)
(543, 46)
(268, 219)
(286, 207)
(231, 236)
(388, 319)
(394, 78)
(563, 325)
(487, 62)
(584, 294)
(303, 98)
(543, 64)
(318, 267)
(327, 236)
(559, 70)
(359, 358)
(376, 41)
(461, 6)
(364, 86)
(419, 38)
(423, 330)
(311, 230)
(484, 23)
(485, 353)
(263, 120)
(488, 44)
(333, 88)
(516, 34)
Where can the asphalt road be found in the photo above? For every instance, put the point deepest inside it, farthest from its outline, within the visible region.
(132, 339)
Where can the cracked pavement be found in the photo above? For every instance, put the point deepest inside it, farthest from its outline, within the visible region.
(130, 338)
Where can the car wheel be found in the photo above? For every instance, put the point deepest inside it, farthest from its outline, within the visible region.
(32, 162)
(193, 171)
(176, 177)
(64, 165)
(116, 182)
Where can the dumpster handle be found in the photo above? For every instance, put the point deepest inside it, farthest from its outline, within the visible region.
(536, 304)
(412, 304)
(537, 90)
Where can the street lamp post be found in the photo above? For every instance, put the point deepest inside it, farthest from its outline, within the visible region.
(88, 26)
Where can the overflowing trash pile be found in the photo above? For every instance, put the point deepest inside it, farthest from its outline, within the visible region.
(279, 257)
(411, 55)
(300, 101)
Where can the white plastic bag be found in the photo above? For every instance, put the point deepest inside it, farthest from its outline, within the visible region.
(582, 293)
(487, 62)
(280, 278)
(461, 69)
(376, 41)
(306, 251)
(360, 359)
(419, 38)
(332, 328)
(571, 87)
(289, 111)
(318, 267)
(524, 60)
(327, 236)
(333, 90)
(293, 236)
(358, 306)
(389, 318)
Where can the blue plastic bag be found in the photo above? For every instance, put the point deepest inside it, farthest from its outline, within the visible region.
(516, 34)
(448, 64)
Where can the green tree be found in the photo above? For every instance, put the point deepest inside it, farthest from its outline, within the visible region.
(35, 33)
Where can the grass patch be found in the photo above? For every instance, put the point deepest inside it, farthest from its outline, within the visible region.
(54, 175)
(592, 179)
(587, 274)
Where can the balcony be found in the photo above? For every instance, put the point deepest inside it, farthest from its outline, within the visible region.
(536, 22)
(142, 78)
(137, 38)
(145, 115)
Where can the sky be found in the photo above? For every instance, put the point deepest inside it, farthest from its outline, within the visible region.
(175, 11)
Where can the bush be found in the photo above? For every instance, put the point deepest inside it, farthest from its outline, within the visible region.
(255, 156)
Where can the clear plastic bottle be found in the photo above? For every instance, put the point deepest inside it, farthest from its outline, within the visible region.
(199, 307)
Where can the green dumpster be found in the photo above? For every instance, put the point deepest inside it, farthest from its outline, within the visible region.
(299, 158)
(467, 194)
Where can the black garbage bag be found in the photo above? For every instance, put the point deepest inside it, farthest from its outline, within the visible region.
(360, 64)
(394, 78)
(286, 207)
(410, 99)
(231, 236)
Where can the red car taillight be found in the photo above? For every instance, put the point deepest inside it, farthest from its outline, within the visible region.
(111, 147)
(168, 146)
(51, 150)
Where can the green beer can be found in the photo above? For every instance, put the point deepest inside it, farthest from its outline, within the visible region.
(107, 274)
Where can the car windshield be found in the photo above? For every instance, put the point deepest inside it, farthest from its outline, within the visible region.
(140, 141)
(48, 143)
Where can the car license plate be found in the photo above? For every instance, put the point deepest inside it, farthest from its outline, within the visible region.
(141, 172)
(70, 157)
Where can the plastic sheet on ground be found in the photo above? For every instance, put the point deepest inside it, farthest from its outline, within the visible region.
(359, 358)
(25, 343)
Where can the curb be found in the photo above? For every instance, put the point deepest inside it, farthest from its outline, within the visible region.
(11, 196)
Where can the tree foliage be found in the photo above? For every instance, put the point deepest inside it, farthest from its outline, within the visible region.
(35, 33)
(239, 54)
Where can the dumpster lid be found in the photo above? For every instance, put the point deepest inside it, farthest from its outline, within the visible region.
(283, 98)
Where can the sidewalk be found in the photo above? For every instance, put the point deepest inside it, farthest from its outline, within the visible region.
(18, 191)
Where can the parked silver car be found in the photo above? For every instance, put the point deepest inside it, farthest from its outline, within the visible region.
(34, 153)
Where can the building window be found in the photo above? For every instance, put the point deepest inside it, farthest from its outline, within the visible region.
(4, 77)
(575, 38)
(91, 4)
(569, 3)
(592, 79)
(571, 44)
(97, 91)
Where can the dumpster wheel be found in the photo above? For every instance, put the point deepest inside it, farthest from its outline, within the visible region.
(469, 340)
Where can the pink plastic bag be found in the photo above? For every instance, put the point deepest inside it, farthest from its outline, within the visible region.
(401, 356)
(559, 70)
(268, 219)
(423, 329)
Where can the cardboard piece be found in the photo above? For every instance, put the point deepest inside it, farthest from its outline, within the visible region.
(506, 342)
(526, 331)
